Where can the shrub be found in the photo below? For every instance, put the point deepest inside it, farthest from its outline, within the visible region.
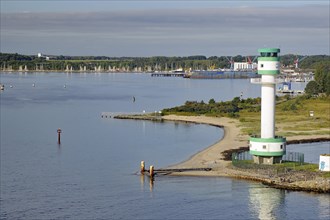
(312, 88)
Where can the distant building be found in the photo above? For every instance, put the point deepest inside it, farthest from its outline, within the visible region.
(245, 66)
(40, 55)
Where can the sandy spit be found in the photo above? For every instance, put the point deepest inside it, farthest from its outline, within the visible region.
(211, 157)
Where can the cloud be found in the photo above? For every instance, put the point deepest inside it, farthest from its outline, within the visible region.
(192, 28)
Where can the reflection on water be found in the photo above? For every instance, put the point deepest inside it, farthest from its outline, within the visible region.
(265, 202)
(144, 184)
(151, 183)
(324, 206)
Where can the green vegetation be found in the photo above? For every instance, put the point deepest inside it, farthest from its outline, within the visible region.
(312, 88)
(292, 117)
(280, 167)
(322, 80)
(287, 167)
(312, 62)
(297, 166)
(292, 113)
(216, 109)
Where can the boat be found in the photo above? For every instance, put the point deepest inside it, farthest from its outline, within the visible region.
(180, 70)
(285, 87)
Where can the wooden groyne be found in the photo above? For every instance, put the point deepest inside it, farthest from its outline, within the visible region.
(169, 171)
(152, 171)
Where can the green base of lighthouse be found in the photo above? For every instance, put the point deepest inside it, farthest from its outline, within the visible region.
(267, 150)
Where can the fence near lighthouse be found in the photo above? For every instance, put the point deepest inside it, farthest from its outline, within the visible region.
(290, 161)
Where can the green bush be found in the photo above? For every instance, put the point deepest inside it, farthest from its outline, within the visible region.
(312, 88)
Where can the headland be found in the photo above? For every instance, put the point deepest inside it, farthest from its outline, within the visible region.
(213, 157)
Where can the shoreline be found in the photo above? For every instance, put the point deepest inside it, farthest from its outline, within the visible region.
(212, 157)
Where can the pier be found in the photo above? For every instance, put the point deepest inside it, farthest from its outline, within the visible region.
(163, 74)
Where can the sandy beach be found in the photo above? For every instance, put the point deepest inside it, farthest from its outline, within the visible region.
(211, 157)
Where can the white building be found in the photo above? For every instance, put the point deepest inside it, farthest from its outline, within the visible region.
(245, 66)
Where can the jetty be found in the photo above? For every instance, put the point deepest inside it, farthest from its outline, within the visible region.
(168, 74)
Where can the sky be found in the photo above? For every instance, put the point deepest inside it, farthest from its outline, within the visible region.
(163, 27)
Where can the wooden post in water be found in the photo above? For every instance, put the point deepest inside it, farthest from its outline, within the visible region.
(151, 171)
(142, 167)
(59, 136)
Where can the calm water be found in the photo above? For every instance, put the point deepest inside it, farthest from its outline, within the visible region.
(92, 174)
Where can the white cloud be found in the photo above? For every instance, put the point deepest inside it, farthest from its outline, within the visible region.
(233, 30)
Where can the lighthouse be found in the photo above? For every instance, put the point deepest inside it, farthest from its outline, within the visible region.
(267, 148)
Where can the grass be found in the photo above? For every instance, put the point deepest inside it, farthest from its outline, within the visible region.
(293, 122)
(297, 166)
(292, 115)
(326, 174)
(284, 167)
(180, 113)
(310, 167)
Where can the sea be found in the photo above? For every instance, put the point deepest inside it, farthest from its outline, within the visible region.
(94, 172)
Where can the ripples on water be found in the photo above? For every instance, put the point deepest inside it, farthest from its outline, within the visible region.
(92, 174)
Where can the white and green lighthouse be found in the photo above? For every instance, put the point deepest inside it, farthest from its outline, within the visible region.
(267, 148)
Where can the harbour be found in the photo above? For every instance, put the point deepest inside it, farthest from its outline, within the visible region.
(93, 172)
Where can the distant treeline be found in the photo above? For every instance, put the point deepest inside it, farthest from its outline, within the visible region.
(13, 62)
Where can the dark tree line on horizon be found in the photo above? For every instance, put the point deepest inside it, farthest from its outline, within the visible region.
(14, 61)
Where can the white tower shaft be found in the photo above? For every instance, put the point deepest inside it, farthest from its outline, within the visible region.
(268, 106)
